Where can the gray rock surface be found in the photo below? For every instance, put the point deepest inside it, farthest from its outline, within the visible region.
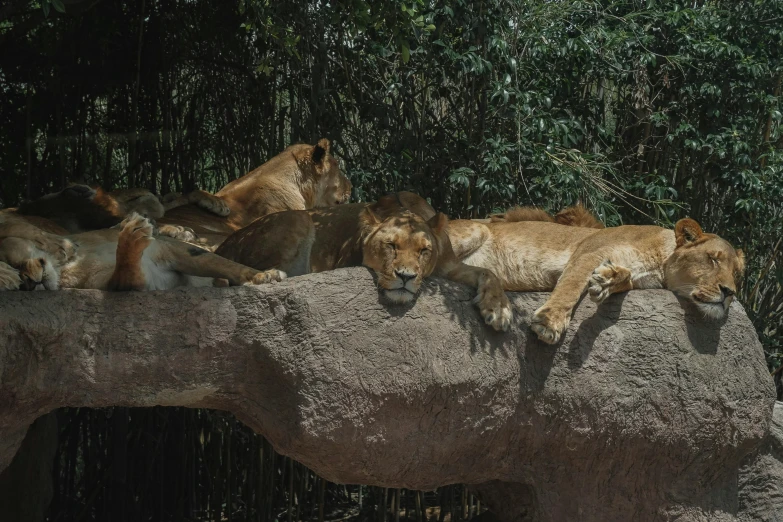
(643, 412)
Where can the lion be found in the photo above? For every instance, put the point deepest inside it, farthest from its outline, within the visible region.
(399, 246)
(299, 178)
(535, 256)
(80, 208)
(124, 258)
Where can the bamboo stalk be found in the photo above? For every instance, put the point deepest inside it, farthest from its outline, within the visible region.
(290, 487)
(321, 493)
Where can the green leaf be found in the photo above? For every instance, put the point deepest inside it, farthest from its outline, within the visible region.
(46, 6)
(406, 52)
(58, 5)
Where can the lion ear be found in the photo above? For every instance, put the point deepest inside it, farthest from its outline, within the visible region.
(320, 151)
(739, 268)
(438, 222)
(687, 231)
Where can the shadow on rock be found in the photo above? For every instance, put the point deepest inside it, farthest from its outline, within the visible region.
(606, 316)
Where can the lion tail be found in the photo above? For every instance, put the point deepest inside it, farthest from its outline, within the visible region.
(577, 216)
(574, 216)
(522, 214)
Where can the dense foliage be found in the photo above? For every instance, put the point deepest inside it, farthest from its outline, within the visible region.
(646, 111)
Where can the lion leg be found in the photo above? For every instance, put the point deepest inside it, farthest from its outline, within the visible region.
(61, 248)
(196, 261)
(179, 233)
(209, 202)
(551, 320)
(491, 299)
(9, 277)
(134, 238)
(609, 279)
(174, 200)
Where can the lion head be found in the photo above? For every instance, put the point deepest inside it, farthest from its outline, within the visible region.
(34, 266)
(401, 248)
(336, 192)
(703, 269)
(319, 169)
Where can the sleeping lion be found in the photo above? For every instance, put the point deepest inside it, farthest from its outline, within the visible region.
(126, 257)
(400, 246)
(533, 255)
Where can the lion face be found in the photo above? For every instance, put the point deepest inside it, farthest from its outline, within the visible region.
(317, 163)
(402, 250)
(703, 269)
(34, 266)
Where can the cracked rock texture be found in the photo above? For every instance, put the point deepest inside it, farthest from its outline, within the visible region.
(643, 412)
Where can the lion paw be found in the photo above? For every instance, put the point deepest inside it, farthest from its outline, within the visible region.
(210, 203)
(61, 248)
(135, 234)
(547, 326)
(9, 278)
(607, 279)
(495, 308)
(267, 276)
(179, 233)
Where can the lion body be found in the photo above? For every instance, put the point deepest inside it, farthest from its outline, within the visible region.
(400, 246)
(569, 260)
(123, 258)
(299, 178)
(81, 208)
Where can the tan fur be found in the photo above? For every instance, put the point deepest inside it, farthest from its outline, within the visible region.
(138, 200)
(522, 214)
(301, 177)
(400, 246)
(578, 216)
(33, 265)
(569, 260)
(42, 233)
(9, 277)
(125, 258)
(574, 216)
(209, 202)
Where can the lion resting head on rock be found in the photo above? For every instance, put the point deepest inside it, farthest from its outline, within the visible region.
(402, 250)
(400, 246)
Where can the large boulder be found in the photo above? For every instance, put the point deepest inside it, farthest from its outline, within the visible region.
(643, 411)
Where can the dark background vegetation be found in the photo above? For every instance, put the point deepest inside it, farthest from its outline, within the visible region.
(646, 111)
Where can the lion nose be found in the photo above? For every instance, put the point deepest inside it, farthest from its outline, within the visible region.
(726, 292)
(405, 276)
